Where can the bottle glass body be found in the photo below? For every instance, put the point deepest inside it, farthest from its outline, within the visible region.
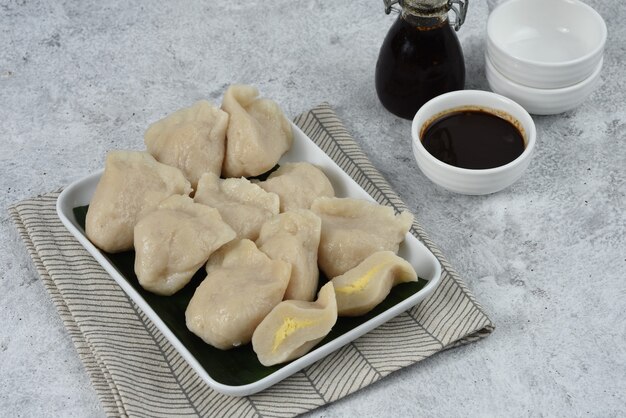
(419, 59)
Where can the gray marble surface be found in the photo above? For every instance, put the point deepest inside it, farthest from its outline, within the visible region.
(546, 257)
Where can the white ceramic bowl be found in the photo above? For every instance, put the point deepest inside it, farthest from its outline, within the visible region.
(545, 43)
(542, 101)
(464, 180)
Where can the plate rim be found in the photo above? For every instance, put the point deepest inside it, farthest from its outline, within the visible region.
(64, 204)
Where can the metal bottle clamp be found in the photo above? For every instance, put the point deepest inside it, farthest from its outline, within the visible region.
(459, 7)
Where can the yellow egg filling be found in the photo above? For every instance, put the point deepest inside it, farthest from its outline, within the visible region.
(362, 282)
(289, 326)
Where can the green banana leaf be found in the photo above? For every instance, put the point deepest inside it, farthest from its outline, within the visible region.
(238, 366)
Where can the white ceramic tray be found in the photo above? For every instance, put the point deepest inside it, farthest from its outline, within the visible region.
(425, 264)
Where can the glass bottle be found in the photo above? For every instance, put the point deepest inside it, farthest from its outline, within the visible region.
(421, 56)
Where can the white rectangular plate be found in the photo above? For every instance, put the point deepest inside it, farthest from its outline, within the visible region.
(303, 149)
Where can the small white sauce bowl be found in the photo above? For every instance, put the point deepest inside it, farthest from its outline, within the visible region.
(464, 180)
(545, 43)
(542, 101)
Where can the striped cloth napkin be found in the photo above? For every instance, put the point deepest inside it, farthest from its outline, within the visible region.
(135, 370)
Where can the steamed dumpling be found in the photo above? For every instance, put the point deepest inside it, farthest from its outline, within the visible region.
(243, 205)
(353, 229)
(191, 139)
(360, 289)
(294, 237)
(298, 185)
(258, 133)
(293, 328)
(132, 182)
(242, 286)
(174, 241)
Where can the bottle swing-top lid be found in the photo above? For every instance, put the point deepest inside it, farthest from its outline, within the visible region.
(430, 9)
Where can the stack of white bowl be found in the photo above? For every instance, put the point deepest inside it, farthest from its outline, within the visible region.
(545, 54)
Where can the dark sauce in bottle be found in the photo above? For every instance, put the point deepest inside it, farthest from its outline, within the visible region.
(473, 139)
(417, 63)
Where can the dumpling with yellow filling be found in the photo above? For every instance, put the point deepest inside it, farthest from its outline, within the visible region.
(243, 205)
(360, 289)
(258, 133)
(174, 241)
(294, 237)
(298, 185)
(242, 286)
(353, 229)
(133, 183)
(191, 139)
(294, 327)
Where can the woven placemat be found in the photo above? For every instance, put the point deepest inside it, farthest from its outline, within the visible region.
(136, 372)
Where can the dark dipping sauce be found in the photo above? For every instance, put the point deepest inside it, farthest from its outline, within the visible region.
(473, 139)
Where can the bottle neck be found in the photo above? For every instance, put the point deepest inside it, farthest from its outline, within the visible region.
(425, 13)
